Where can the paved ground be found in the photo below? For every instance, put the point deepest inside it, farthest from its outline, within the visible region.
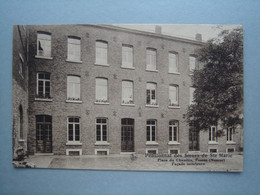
(124, 162)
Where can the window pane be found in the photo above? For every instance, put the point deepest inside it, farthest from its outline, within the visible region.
(44, 45)
(127, 92)
(148, 133)
(74, 49)
(173, 97)
(98, 133)
(173, 63)
(127, 56)
(101, 52)
(192, 95)
(101, 89)
(192, 63)
(151, 59)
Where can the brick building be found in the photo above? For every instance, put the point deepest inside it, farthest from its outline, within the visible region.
(102, 89)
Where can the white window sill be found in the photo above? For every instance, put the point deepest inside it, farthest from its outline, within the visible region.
(174, 107)
(70, 143)
(177, 73)
(75, 61)
(191, 74)
(99, 64)
(151, 143)
(213, 143)
(150, 70)
(43, 99)
(44, 57)
(102, 103)
(132, 105)
(173, 143)
(152, 106)
(101, 143)
(125, 67)
(74, 101)
(21, 140)
(230, 143)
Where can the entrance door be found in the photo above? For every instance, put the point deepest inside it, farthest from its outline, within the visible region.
(127, 135)
(193, 140)
(43, 134)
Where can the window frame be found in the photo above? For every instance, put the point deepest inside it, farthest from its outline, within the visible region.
(172, 105)
(44, 97)
(48, 38)
(191, 91)
(230, 132)
(101, 101)
(74, 98)
(150, 95)
(151, 141)
(129, 50)
(192, 66)
(176, 62)
(153, 58)
(101, 141)
(73, 141)
(171, 132)
(213, 134)
(72, 40)
(130, 102)
(99, 48)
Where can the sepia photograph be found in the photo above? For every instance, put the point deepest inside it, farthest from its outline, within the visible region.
(142, 97)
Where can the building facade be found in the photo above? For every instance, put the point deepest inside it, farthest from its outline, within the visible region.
(102, 89)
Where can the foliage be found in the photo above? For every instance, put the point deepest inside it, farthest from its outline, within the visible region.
(218, 95)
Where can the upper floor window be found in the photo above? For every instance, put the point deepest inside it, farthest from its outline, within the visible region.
(73, 87)
(127, 92)
(101, 90)
(73, 129)
(101, 130)
(213, 133)
(173, 95)
(173, 131)
(127, 56)
(192, 89)
(101, 53)
(151, 130)
(74, 49)
(173, 63)
(230, 132)
(43, 85)
(21, 65)
(151, 94)
(192, 63)
(151, 59)
(43, 44)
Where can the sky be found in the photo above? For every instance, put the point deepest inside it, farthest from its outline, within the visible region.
(187, 31)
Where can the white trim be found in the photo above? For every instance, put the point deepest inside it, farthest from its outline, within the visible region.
(230, 148)
(74, 101)
(73, 150)
(213, 143)
(152, 106)
(150, 70)
(43, 99)
(43, 154)
(99, 64)
(44, 57)
(230, 142)
(132, 105)
(101, 150)
(102, 103)
(124, 67)
(73, 143)
(21, 140)
(169, 150)
(147, 149)
(102, 143)
(173, 143)
(174, 107)
(176, 73)
(75, 61)
(151, 143)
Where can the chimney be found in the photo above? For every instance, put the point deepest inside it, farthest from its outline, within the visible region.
(158, 29)
(198, 37)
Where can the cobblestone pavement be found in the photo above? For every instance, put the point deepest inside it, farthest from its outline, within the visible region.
(124, 162)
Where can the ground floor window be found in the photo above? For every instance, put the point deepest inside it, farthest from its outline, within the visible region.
(173, 131)
(212, 133)
(151, 130)
(230, 132)
(73, 129)
(101, 129)
(43, 133)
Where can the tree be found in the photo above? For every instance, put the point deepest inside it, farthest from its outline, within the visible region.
(218, 95)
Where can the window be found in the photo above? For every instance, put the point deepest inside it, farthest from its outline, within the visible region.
(20, 124)
(150, 130)
(173, 63)
(101, 90)
(43, 133)
(43, 85)
(151, 94)
(192, 89)
(101, 130)
(73, 129)
(173, 131)
(73, 87)
(173, 95)
(192, 63)
(212, 133)
(127, 92)
(101, 53)
(21, 64)
(44, 45)
(74, 49)
(127, 56)
(230, 132)
(151, 59)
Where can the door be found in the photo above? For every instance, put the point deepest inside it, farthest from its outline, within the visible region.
(127, 135)
(193, 140)
(43, 134)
